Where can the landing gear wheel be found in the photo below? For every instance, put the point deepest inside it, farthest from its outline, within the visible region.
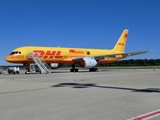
(93, 69)
(71, 70)
(74, 70)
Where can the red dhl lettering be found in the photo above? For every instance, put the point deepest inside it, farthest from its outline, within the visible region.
(58, 54)
(48, 54)
(40, 53)
(121, 44)
(76, 51)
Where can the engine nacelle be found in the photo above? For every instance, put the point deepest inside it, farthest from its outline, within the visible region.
(55, 65)
(88, 62)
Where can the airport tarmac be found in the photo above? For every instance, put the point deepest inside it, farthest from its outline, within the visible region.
(113, 94)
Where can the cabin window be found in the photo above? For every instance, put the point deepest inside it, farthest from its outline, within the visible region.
(15, 53)
(12, 53)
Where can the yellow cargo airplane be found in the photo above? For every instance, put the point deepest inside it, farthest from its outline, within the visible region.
(86, 58)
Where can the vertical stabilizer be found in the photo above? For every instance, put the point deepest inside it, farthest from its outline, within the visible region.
(121, 43)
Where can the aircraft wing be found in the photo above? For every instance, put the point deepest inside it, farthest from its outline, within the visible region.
(101, 57)
(127, 54)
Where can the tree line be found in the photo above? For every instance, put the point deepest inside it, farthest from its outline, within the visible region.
(135, 62)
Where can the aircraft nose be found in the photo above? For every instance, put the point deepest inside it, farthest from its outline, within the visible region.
(8, 58)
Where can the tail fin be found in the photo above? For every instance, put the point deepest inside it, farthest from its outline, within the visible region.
(121, 43)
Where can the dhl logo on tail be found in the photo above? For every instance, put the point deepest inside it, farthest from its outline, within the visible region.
(121, 43)
(125, 36)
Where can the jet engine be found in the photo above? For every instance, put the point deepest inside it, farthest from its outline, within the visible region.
(88, 62)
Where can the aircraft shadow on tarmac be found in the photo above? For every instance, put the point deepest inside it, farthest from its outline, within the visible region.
(81, 85)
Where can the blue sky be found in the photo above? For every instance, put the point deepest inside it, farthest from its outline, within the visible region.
(80, 23)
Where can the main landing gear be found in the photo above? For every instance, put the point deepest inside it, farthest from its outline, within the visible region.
(73, 69)
(93, 69)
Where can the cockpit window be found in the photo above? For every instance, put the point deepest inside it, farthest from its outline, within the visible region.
(15, 53)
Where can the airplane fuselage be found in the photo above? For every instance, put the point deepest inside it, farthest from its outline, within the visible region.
(58, 54)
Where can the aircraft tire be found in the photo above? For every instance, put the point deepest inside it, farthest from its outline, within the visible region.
(89, 69)
(93, 69)
(76, 70)
(71, 70)
(96, 69)
(17, 72)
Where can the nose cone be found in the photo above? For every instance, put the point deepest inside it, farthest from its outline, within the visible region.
(9, 58)
(16, 58)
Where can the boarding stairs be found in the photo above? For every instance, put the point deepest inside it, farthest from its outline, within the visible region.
(1, 70)
(43, 66)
